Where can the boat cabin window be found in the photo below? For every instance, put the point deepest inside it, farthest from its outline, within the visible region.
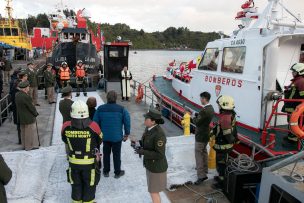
(233, 59)
(302, 54)
(14, 32)
(65, 35)
(210, 60)
(7, 32)
(1, 32)
(118, 52)
(83, 36)
(71, 35)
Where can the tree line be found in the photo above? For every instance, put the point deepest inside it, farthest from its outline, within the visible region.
(171, 38)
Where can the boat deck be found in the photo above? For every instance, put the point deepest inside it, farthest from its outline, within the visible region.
(164, 87)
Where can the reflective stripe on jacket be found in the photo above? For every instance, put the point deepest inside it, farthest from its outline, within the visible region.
(80, 71)
(64, 73)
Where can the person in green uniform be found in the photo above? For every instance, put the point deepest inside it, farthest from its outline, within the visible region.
(154, 152)
(49, 79)
(32, 73)
(5, 177)
(27, 114)
(66, 103)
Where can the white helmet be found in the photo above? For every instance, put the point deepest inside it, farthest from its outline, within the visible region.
(225, 102)
(79, 61)
(298, 67)
(79, 110)
(64, 63)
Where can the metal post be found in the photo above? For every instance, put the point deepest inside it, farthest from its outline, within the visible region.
(171, 112)
(134, 88)
(7, 109)
(1, 112)
(286, 162)
(145, 94)
(152, 100)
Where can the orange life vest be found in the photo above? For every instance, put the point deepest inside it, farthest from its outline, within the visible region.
(64, 73)
(80, 72)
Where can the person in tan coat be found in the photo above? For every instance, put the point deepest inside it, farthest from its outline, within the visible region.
(27, 114)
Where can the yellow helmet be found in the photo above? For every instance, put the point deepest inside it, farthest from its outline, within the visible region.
(226, 102)
(79, 110)
(298, 67)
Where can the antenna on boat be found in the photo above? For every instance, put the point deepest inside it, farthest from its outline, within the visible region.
(9, 9)
(290, 13)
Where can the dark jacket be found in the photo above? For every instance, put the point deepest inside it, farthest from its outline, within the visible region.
(65, 106)
(7, 65)
(202, 122)
(5, 177)
(33, 76)
(112, 118)
(49, 78)
(154, 144)
(26, 111)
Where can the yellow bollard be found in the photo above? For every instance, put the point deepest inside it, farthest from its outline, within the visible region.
(186, 123)
(212, 155)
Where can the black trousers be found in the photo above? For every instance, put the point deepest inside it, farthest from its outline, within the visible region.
(81, 82)
(83, 183)
(114, 147)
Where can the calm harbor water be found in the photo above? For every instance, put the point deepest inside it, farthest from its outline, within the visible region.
(145, 64)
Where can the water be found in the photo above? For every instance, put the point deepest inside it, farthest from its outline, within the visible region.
(145, 64)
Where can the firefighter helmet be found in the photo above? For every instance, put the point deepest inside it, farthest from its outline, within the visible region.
(79, 110)
(298, 67)
(64, 63)
(225, 102)
(79, 61)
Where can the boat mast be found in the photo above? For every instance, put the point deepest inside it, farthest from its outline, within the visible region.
(9, 10)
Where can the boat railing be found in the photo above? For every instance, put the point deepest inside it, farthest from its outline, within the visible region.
(271, 123)
(5, 105)
(150, 99)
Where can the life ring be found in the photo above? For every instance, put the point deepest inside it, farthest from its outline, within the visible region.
(294, 121)
(140, 94)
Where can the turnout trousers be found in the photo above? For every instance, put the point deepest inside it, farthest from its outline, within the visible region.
(83, 182)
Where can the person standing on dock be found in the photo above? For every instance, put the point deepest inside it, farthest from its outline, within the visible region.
(81, 78)
(65, 105)
(49, 82)
(125, 77)
(225, 133)
(154, 151)
(202, 132)
(5, 177)
(112, 118)
(22, 77)
(7, 67)
(294, 91)
(83, 136)
(27, 114)
(32, 73)
(64, 74)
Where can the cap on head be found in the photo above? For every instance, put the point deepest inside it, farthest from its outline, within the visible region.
(66, 90)
(154, 115)
(64, 63)
(29, 63)
(22, 73)
(24, 84)
(49, 64)
(225, 102)
(298, 67)
(79, 61)
(79, 110)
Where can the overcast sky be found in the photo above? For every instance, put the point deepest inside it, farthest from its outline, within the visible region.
(154, 15)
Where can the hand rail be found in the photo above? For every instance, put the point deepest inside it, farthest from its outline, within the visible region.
(6, 109)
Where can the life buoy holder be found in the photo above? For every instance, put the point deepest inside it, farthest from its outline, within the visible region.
(294, 121)
(140, 93)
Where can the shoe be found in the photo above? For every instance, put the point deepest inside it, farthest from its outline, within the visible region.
(106, 174)
(53, 102)
(218, 186)
(85, 94)
(77, 95)
(37, 104)
(50, 102)
(200, 180)
(121, 173)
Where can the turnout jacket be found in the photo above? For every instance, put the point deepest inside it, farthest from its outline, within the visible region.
(294, 91)
(202, 122)
(26, 111)
(5, 177)
(154, 145)
(82, 141)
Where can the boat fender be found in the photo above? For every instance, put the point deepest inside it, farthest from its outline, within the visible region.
(140, 93)
(294, 121)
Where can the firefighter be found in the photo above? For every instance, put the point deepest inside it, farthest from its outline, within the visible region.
(80, 78)
(225, 133)
(83, 136)
(294, 91)
(64, 74)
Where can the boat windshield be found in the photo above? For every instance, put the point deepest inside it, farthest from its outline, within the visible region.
(233, 59)
(210, 60)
